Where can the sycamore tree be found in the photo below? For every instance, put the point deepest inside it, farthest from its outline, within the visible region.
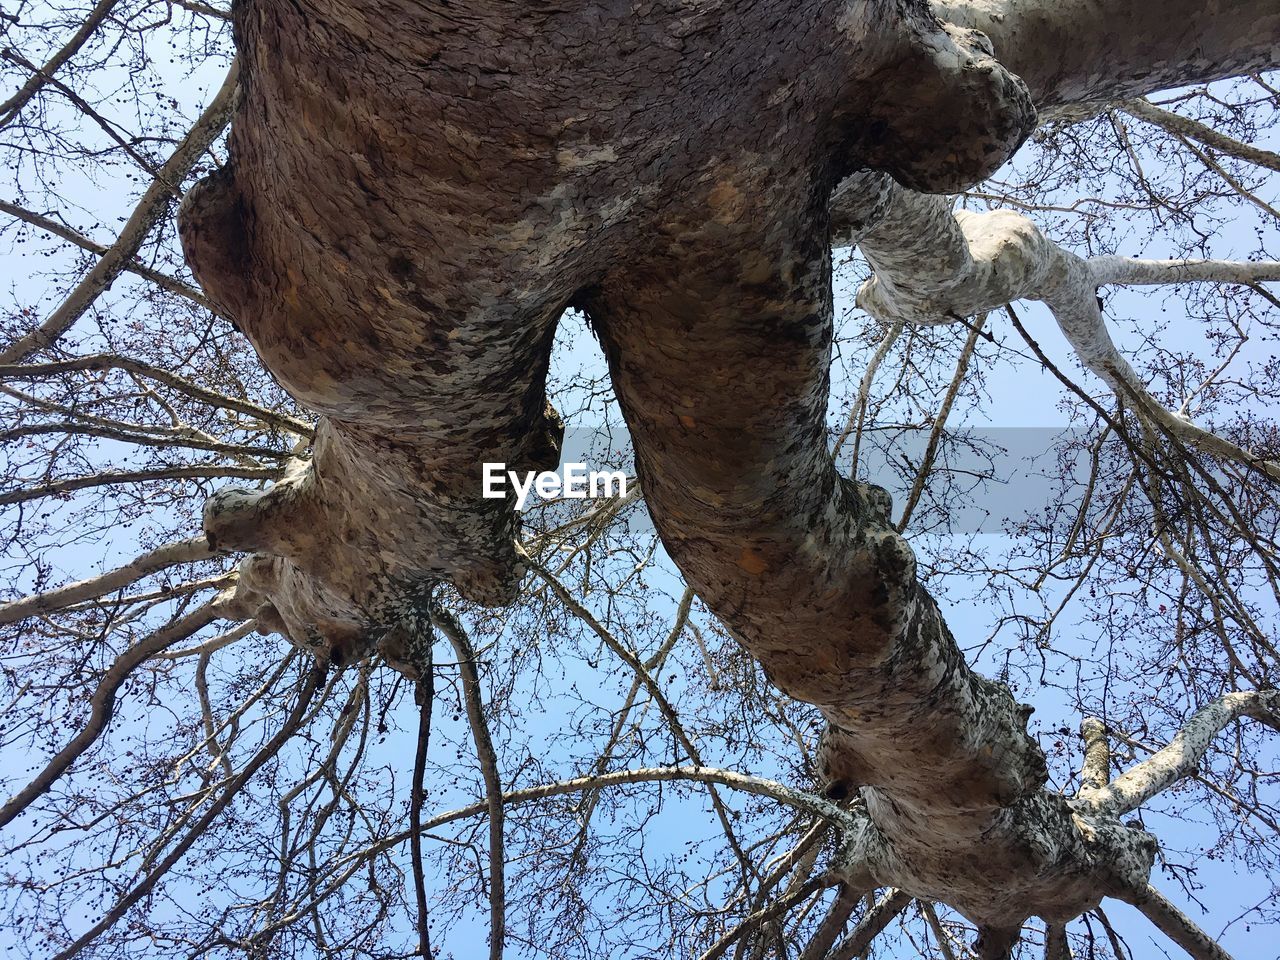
(279, 680)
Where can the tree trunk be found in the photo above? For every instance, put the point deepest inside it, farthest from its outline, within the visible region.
(416, 191)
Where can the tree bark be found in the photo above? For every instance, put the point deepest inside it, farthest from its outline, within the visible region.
(417, 191)
(1071, 52)
(414, 197)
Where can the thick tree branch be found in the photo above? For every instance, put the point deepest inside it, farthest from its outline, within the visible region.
(1128, 271)
(1082, 51)
(871, 925)
(409, 295)
(1055, 942)
(1195, 130)
(1097, 755)
(936, 266)
(808, 573)
(1176, 925)
(846, 901)
(1182, 756)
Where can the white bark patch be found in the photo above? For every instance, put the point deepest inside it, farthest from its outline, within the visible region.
(936, 266)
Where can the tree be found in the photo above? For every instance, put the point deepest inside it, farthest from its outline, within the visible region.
(411, 200)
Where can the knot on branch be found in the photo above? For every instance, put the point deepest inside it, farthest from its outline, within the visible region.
(346, 539)
(213, 228)
(878, 501)
(236, 519)
(950, 114)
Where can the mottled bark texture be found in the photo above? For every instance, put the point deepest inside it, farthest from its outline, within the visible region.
(1071, 52)
(415, 193)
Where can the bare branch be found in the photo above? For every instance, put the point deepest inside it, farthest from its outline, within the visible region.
(933, 266)
(642, 672)
(872, 925)
(109, 361)
(424, 695)
(87, 109)
(150, 208)
(846, 901)
(940, 423)
(203, 8)
(1131, 271)
(144, 886)
(1230, 180)
(1180, 758)
(846, 820)
(939, 931)
(1195, 130)
(177, 437)
(209, 646)
(488, 760)
(858, 412)
(184, 551)
(10, 108)
(773, 911)
(103, 701)
(112, 477)
(161, 280)
(1176, 925)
